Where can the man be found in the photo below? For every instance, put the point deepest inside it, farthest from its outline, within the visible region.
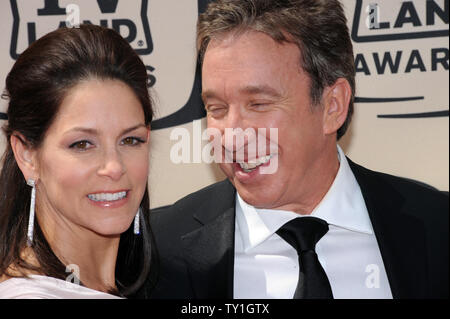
(289, 65)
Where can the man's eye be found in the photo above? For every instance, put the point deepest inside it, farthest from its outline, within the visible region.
(259, 104)
(132, 141)
(215, 111)
(81, 145)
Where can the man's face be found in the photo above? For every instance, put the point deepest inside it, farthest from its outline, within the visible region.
(251, 81)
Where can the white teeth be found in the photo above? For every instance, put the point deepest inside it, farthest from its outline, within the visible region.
(107, 197)
(248, 167)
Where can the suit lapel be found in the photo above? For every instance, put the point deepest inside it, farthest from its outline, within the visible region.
(209, 250)
(400, 236)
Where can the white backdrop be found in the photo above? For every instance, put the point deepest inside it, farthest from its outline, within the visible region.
(401, 122)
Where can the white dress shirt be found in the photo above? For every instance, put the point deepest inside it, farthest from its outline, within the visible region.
(267, 267)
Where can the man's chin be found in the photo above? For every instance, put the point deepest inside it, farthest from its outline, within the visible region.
(257, 190)
(260, 197)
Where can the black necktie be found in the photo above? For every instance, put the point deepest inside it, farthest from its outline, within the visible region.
(303, 233)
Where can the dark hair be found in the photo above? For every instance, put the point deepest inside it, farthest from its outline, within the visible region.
(317, 27)
(36, 87)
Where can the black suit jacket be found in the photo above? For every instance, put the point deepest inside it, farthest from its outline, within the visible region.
(195, 239)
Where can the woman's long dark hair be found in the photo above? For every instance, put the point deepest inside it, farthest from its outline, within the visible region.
(36, 87)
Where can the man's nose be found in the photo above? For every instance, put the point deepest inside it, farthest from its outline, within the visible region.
(112, 165)
(237, 135)
(234, 117)
(232, 124)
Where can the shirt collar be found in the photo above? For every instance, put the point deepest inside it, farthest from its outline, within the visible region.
(343, 206)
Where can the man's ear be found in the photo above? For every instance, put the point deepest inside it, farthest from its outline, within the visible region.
(25, 156)
(336, 100)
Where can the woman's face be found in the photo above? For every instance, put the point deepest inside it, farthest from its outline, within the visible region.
(92, 166)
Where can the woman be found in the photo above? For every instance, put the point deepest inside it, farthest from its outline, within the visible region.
(74, 199)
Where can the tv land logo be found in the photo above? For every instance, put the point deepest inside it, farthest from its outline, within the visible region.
(388, 21)
(33, 19)
(409, 20)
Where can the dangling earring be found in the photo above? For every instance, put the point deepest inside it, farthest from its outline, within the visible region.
(136, 222)
(30, 232)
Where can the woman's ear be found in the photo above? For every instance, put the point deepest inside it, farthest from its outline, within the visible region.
(336, 102)
(25, 156)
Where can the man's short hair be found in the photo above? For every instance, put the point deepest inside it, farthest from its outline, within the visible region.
(317, 27)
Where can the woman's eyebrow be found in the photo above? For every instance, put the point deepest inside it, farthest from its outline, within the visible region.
(94, 131)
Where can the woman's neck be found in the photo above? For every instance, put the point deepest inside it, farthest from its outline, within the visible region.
(88, 256)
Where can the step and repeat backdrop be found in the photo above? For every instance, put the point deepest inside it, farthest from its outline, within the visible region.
(401, 120)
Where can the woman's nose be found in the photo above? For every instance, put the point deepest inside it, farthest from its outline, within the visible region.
(112, 165)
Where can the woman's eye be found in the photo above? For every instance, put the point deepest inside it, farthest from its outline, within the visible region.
(81, 145)
(132, 141)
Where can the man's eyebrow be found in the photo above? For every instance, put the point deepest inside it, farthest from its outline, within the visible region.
(260, 89)
(208, 95)
(93, 131)
(249, 89)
